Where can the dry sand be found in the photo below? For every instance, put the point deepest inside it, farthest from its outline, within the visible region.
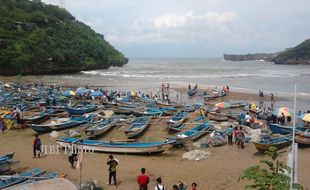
(220, 171)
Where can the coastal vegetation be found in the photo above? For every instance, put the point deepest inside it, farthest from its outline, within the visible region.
(297, 55)
(36, 38)
(271, 175)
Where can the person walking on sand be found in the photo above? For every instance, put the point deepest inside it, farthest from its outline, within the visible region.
(36, 146)
(159, 185)
(241, 139)
(112, 169)
(143, 180)
(72, 150)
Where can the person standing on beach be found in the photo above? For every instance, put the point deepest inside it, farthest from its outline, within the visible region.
(159, 185)
(72, 154)
(36, 146)
(229, 131)
(2, 126)
(143, 180)
(112, 169)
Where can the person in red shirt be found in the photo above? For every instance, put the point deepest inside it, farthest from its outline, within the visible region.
(143, 180)
(194, 186)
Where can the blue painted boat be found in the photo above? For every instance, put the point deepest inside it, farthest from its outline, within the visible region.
(101, 127)
(278, 142)
(37, 117)
(213, 96)
(276, 128)
(194, 133)
(151, 112)
(19, 178)
(117, 147)
(176, 120)
(60, 124)
(5, 162)
(137, 126)
(82, 109)
(192, 92)
(189, 108)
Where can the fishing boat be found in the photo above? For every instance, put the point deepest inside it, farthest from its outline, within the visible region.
(117, 147)
(192, 92)
(238, 104)
(57, 124)
(151, 112)
(5, 162)
(101, 127)
(194, 133)
(121, 110)
(81, 109)
(47, 184)
(217, 116)
(189, 108)
(177, 119)
(36, 117)
(213, 96)
(19, 178)
(278, 142)
(282, 129)
(166, 104)
(302, 137)
(137, 126)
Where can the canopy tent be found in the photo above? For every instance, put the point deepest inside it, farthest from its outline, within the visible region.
(97, 93)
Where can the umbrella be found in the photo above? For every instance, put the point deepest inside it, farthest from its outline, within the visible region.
(285, 110)
(96, 93)
(223, 105)
(68, 93)
(81, 91)
(306, 117)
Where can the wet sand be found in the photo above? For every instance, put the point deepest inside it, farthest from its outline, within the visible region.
(220, 171)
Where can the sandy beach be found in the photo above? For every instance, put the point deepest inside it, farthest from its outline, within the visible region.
(220, 171)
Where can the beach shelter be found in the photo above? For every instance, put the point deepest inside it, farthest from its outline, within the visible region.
(69, 93)
(223, 105)
(306, 118)
(97, 93)
(285, 110)
(81, 91)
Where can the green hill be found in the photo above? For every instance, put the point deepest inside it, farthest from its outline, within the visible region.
(297, 55)
(36, 38)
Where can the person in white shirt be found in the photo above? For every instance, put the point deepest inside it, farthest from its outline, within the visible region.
(159, 185)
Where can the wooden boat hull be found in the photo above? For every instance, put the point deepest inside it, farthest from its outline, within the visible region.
(276, 128)
(194, 133)
(278, 142)
(177, 119)
(114, 147)
(301, 138)
(49, 184)
(217, 117)
(81, 110)
(213, 96)
(133, 132)
(5, 162)
(59, 126)
(192, 92)
(97, 131)
(4, 183)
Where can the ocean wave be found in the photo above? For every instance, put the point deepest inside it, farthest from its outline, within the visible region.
(156, 74)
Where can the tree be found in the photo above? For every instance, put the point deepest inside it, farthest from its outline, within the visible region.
(271, 176)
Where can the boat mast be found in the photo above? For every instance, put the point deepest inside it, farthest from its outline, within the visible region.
(294, 151)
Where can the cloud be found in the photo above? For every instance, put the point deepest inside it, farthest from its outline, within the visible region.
(176, 28)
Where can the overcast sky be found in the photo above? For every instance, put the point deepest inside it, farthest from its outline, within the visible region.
(195, 28)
